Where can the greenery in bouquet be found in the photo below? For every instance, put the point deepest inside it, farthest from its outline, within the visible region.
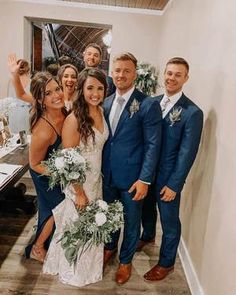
(66, 166)
(147, 79)
(93, 227)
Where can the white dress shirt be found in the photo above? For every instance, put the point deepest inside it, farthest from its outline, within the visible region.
(173, 100)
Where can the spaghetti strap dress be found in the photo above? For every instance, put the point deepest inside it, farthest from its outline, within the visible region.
(47, 198)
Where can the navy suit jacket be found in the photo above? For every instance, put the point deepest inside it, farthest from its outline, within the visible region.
(132, 152)
(180, 144)
(111, 88)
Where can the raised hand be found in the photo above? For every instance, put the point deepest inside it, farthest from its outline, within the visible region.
(12, 64)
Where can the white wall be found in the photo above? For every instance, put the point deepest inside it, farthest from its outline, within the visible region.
(131, 32)
(204, 33)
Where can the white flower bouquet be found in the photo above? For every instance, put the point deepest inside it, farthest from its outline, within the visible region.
(93, 227)
(66, 166)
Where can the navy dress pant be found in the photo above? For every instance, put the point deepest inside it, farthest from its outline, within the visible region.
(132, 222)
(149, 216)
(171, 228)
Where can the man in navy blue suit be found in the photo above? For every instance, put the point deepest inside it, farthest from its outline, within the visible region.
(129, 156)
(182, 127)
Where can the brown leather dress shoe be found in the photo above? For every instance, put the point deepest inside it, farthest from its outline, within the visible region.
(108, 254)
(158, 273)
(141, 244)
(123, 273)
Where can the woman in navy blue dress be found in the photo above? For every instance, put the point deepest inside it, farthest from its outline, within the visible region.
(47, 118)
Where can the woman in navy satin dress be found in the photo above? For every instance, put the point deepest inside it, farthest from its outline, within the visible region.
(47, 118)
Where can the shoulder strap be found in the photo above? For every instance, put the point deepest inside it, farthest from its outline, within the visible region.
(50, 125)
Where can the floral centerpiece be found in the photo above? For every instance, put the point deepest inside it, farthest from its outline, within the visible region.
(93, 227)
(147, 79)
(66, 166)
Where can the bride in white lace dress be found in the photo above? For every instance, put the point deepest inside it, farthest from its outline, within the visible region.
(84, 127)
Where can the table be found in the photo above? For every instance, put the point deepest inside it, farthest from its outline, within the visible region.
(19, 156)
(13, 198)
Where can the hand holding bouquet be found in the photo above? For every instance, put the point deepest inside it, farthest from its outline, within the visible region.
(93, 227)
(66, 166)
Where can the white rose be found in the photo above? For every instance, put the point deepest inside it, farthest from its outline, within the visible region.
(59, 163)
(141, 72)
(64, 151)
(73, 175)
(102, 204)
(100, 219)
(79, 159)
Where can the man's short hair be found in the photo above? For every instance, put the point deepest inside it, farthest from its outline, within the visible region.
(94, 45)
(126, 56)
(64, 59)
(178, 61)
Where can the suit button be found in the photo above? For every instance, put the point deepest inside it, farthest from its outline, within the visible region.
(111, 143)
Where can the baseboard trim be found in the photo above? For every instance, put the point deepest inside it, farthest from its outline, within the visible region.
(189, 270)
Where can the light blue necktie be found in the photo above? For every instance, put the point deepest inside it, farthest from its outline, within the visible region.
(116, 117)
(164, 103)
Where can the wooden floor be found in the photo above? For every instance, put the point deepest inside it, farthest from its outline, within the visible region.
(22, 277)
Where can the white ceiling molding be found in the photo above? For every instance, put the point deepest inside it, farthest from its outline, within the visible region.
(167, 6)
(95, 6)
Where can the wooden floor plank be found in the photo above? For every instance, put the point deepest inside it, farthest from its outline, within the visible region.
(20, 276)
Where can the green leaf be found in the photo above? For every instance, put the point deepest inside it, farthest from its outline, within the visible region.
(71, 254)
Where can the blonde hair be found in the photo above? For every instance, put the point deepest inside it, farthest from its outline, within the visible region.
(178, 61)
(126, 56)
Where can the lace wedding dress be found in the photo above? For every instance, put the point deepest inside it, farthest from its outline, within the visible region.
(89, 267)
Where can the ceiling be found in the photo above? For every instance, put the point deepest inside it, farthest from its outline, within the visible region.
(72, 39)
(156, 5)
(78, 37)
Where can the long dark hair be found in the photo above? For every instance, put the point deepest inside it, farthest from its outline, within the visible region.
(62, 69)
(37, 88)
(80, 106)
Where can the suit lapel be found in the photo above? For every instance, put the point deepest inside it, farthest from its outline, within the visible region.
(160, 98)
(126, 112)
(108, 106)
(107, 109)
(178, 104)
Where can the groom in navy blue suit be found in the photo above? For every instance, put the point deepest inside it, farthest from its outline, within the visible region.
(129, 156)
(182, 127)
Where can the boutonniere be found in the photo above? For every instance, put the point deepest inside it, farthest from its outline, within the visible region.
(134, 107)
(175, 115)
